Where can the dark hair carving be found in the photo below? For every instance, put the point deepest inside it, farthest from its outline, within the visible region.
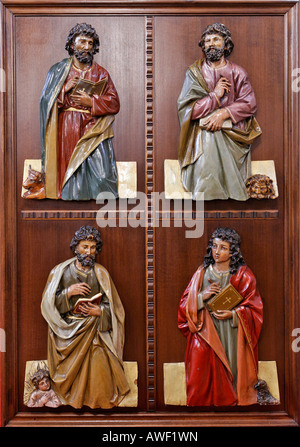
(86, 233)
(231, 236)
(218, 28)
(85, 30)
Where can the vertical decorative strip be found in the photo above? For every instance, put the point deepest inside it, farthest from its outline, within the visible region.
(2, 208)
(150, 235)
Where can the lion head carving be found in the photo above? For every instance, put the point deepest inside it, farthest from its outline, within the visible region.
(260, 186)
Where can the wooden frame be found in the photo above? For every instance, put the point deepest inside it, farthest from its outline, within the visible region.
(9, 11)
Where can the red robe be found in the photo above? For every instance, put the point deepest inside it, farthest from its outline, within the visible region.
(208, 375)
(74, 124)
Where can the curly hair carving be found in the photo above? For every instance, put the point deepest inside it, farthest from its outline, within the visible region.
(86, 233)
(231, 236)
(222, 30)
(85, 30)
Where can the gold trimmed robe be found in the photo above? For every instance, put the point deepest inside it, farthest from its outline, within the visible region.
(85, 363)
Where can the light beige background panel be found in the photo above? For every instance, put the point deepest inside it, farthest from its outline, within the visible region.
(131, 373)
(127, 177)
(175, 381)
(175, 190)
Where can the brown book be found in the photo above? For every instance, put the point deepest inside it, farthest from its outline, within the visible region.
(225, 300)
(90, 87)
(96, 299)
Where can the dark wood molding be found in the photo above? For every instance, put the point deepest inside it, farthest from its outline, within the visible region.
(286, 214)
(291, 216)
(92, 215)
(2, 211)
(9, 222)
(157, 419)
(208, 7)
(150, 231)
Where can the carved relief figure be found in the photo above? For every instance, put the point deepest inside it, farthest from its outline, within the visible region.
(216, 110)
(43, 395)
(85, 342)
(34, 185)
(221, 359)
(260, 186)
(77, 108)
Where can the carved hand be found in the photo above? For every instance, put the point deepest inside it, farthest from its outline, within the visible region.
(79, 289)
(222, 87)
(71, 84)
(43, 400)
(211, 290)
(90, 309)
(223, 314)
(216, 121)
(82, 99)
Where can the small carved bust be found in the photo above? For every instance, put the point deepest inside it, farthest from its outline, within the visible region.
(43, 395)
(260, 186)
(34, 184)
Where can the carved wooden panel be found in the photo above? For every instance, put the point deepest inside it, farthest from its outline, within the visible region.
(147, 47)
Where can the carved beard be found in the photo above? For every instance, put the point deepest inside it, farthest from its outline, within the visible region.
(86, 260)
(86, 57)
(213, 54)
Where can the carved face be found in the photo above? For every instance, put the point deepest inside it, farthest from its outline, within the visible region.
(213, 40)
(83, 48)
(220, 251)
(44, 384)
(34, 177)
(86, 252)
(214, 46)
(83, 43)
(87, 247)
(260, 187)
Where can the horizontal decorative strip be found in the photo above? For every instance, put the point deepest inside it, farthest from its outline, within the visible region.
(160, 215)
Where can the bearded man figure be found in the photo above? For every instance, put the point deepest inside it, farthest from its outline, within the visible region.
(76, 129)
(85, 349)
(216, 110)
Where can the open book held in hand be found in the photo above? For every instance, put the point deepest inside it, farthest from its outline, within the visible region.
(89, 87)
(225, 300)
(226, 125)
(96, 299)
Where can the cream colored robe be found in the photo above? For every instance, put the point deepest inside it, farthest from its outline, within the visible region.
(85, 364)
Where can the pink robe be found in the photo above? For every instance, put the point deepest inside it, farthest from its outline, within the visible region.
(240, 102)
(216, 164)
